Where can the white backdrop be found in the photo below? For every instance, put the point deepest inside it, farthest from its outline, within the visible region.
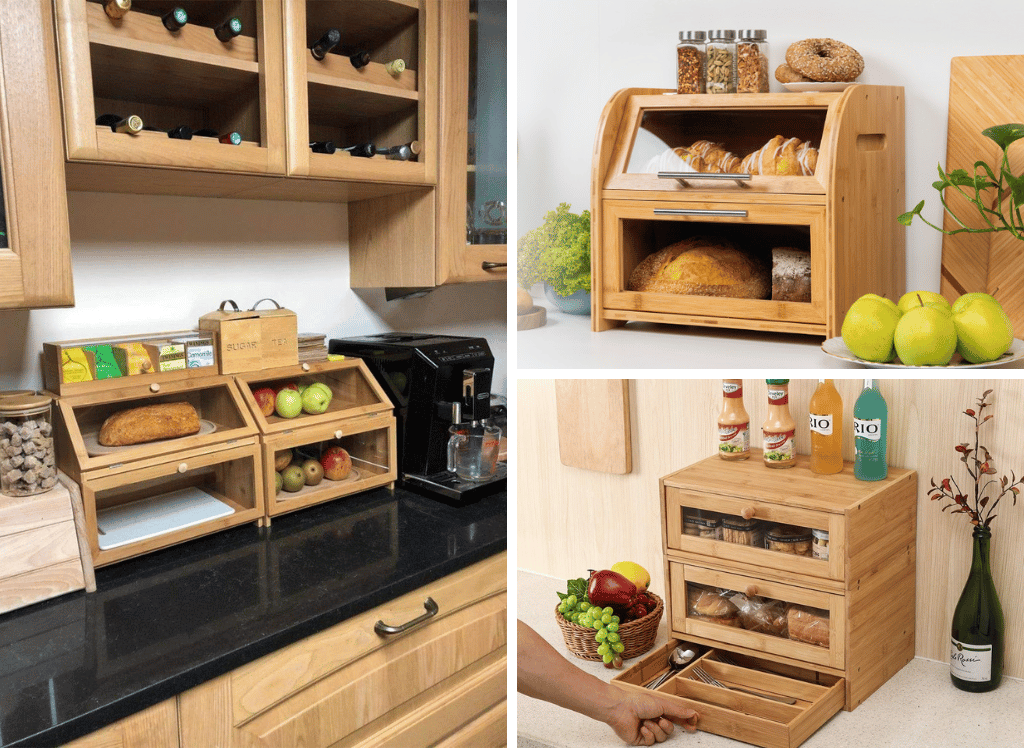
(574, 54)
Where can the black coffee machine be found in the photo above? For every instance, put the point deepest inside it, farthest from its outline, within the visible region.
(434, 381)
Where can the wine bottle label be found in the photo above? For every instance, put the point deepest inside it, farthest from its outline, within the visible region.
(734, 438)
(731, 389)
(971, 662)
(868, 429)
(779, 446)
(821, 424)
(778, 397)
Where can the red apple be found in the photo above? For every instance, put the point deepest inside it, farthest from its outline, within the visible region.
(289, 386)
(265, 398)
(336, 463)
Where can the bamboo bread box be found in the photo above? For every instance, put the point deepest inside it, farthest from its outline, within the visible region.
(843, 214)
(851, 615)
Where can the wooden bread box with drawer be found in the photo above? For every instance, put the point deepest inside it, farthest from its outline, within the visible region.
(838, 627)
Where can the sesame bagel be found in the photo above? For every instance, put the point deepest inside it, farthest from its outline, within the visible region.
(825, 60)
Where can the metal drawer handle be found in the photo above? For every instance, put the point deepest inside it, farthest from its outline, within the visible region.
(699, 212)
(383, 629)
(493, 265)
(684, 176)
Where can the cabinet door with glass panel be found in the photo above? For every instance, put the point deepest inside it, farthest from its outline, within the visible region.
(35, 253)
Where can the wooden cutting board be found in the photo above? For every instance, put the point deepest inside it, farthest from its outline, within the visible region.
(593, 424)
(983, 91)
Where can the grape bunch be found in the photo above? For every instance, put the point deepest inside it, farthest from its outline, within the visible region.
(603, 621)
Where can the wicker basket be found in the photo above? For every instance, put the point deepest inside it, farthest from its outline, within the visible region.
(638, 636)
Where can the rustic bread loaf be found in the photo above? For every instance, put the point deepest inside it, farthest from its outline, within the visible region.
(791, 274)
(149, 423)
(808, 625)
(703, 267)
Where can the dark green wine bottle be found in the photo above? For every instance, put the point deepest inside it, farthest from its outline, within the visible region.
(977, 641)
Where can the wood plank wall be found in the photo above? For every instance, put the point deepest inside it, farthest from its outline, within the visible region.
(571, 520)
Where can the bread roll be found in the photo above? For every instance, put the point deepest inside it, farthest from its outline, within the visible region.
(808, 625)
(149, 423)
(702, 267)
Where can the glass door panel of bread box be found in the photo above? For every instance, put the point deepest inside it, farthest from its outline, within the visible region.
(769, 271)
(194, 84)
(361, 96)
(734, 143)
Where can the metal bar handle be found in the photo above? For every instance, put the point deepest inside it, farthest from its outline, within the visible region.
(493, 265)
(383, 629)
(699, 212)
(684, 176)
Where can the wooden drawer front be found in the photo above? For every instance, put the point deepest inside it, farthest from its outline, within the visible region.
(260, 685)
(38, 548)
(156, 727)
(739, 715)
(335, 707)
(682, 575)
(679, 501)
(18, 514)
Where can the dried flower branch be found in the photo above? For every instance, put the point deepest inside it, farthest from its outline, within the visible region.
(979, 464)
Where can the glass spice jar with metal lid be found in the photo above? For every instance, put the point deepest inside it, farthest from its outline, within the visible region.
(743, 531)
(788, 539)
(721, 61)
(752, 61)
(27, 464)
(690, 62)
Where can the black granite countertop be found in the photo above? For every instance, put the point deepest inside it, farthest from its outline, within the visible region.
(169, 621)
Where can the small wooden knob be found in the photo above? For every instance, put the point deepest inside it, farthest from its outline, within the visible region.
(183, 467)
(305, 367)
(154, 387)
(751, 590)
(338, 434)
(748, 512)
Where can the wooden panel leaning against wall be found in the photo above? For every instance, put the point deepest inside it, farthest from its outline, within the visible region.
(581, 519)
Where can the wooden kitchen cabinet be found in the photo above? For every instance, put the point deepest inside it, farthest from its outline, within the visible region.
(156, 727)
(861, 597)
(35, 249)
(440, 683)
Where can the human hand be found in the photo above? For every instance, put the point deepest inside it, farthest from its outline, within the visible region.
(646, 719)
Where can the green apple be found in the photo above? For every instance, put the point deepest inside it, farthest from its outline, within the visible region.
(889, 302)
(293, 478)
(289, 403)
(918, 298)
(278, 482)
(314, 401)
(869, 326)
(984, 332)
(925, 336)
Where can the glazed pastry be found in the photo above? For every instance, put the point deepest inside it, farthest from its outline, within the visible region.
(782, 157)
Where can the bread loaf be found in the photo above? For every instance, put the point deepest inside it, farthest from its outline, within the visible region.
(791, 274)
(149, 423)
(702, 267)
(808, 625)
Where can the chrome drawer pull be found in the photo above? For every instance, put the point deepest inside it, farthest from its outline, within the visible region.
(383, 629)
(699, 212)
(493, 265)
(684, 176)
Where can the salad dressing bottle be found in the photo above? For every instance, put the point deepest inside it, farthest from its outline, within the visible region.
(733, 423)
(779, 428)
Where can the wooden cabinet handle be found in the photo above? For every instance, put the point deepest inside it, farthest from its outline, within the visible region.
(338, 434)
(383, 629)
(155, 387)
(751, 590)
(305, 367)
(183, 467)
(748, 512)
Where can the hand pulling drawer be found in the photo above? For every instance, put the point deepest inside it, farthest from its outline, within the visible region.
(699, 212)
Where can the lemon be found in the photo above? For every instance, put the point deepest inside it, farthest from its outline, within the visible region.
(634, 572)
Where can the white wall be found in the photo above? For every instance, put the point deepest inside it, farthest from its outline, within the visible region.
(574, 54)
(153, 263)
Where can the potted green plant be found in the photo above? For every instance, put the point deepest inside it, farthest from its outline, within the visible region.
(558, 254)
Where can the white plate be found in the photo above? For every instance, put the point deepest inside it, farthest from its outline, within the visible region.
(94, 449)
(819, 87)
(837, 349)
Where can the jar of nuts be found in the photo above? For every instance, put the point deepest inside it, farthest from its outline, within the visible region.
(690, 62)
(752, 61)
(721, 61)
(27, 464)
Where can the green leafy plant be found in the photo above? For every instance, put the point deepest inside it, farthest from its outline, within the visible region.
(998, 212)
(979, 464)
(557, 253)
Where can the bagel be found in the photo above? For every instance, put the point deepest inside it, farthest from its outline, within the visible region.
(785, 74)
(825, 60)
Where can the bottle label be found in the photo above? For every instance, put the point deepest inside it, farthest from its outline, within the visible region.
(778, 397)
(971, 662)
(779, 446)
(734, 438)
(731, 389)
(870, 429)
(821, 424)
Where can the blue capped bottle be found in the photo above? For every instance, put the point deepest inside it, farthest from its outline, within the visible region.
(870, 424)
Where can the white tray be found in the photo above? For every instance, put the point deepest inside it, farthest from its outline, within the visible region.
(158, 515)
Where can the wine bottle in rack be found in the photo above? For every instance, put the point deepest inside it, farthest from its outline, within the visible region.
(206, 132)
(395, 67)
(322, 146)
(181, 132)
(231, 138)
(228, 30)
(363, 150)
(175, 19)
(327, 42)
(117, 9)
(406, 152)
(131, 124)
(360, 59)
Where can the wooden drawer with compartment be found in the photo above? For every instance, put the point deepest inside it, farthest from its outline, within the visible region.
(843, 212)
(142, 497)
(359, 419)
(827, 632)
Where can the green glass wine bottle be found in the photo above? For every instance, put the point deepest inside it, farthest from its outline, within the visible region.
(976, 641)
(870, 423)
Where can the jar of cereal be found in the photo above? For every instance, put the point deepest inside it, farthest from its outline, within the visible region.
(690, 62)
(752, 61)
(721, 61)
(27, 463)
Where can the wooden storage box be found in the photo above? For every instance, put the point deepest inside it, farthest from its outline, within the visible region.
(359, 418)
(220, 466)
(863, 593)
(254, 339)
(844, 215)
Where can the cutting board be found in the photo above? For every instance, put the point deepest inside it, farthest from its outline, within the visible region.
(593, 424)
(983, 91)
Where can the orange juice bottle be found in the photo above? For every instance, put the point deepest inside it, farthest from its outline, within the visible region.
(826, 416)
